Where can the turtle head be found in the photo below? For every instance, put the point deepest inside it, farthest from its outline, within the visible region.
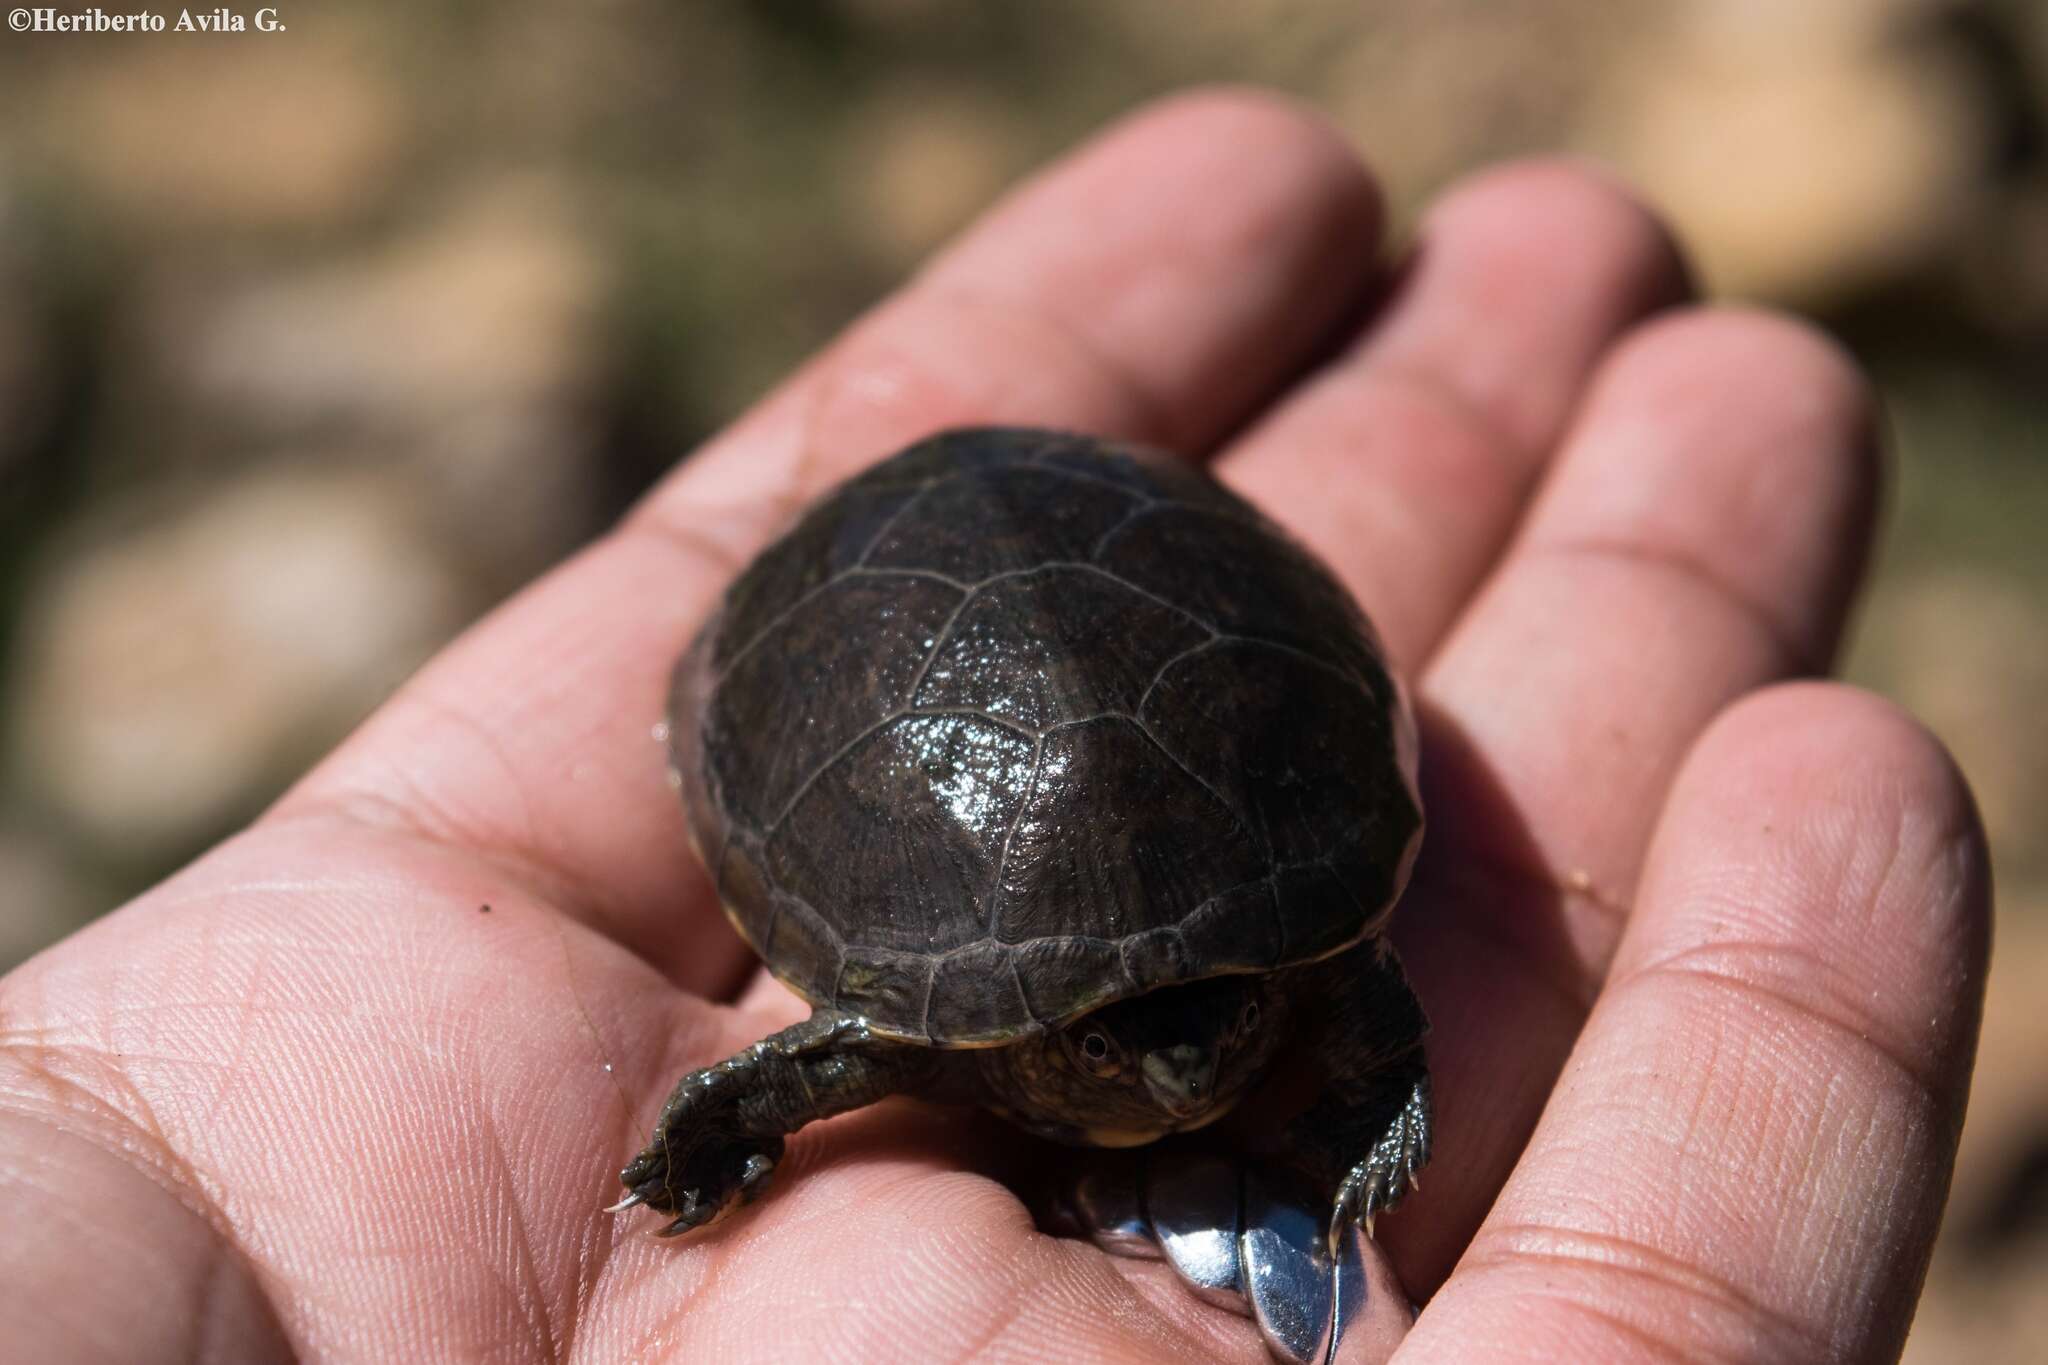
(1137, 1069)
(1181, 1077)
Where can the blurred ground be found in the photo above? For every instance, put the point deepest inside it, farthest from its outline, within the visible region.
(314, 345)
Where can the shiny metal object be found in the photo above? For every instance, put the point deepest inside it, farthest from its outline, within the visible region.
(1193, 1206)
(1372, 1312)
(1109, 1205)
(1286, 1275)
(1252, 1242)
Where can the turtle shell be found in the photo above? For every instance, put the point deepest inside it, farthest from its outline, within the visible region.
(1019, 723)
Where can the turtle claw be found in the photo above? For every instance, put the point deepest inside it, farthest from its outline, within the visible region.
(725, 1175)
(754, 1176)
(636, 1197)
(691, 1213)
(703, 1162)
(1367, 1192)
(696, 1211)
(1389, 1171)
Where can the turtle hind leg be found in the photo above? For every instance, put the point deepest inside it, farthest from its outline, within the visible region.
(1367, 1135)
(1389, 1168)
(721, 1133)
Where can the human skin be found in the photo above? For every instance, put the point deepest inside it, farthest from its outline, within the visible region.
(1704, 947)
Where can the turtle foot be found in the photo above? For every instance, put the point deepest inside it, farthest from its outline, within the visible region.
(1390, 1170)
(721, 1133)
(701, 1185)
(704, 1159)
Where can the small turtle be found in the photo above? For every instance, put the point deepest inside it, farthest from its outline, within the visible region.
(1058, 780)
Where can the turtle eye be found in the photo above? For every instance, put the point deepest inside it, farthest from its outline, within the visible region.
(1097, 1054)
(1248, 1022)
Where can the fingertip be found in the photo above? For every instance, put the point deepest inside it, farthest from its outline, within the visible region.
(1562, 206)
(1838, 751)
(1798, 388)
(1221, 164)
(1836, 734)
(1766, 339)
(1234, 119)
(1741, 443)
(1553, 256)
(1848, 794)
(1522, 275)
(1821, 852)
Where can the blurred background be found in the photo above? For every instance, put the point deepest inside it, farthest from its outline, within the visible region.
(314, 345)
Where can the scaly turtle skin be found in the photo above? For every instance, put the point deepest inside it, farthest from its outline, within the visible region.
(1057, 779)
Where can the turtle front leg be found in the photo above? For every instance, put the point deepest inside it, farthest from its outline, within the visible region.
(1367, 1134)
(721, 1132)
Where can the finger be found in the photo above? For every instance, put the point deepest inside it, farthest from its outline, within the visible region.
(1700, 536)
(1161, 315)
(1748, 1154)
(1406, 462)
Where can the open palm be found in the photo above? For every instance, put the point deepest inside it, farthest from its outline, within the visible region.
(1703, 953)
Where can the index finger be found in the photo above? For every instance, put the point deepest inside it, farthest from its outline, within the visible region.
(1118, 293)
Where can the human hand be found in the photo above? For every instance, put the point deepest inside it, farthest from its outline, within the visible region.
(1703, 954)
